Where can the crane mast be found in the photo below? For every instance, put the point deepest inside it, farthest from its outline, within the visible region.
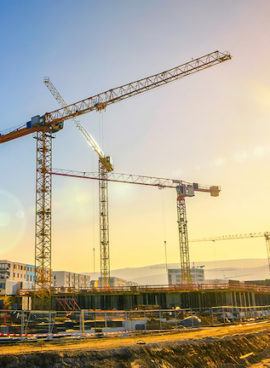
(104, 166)
(43, 211)
(104, 227)
(183, 190)
(183, 239)
(45, 125)
(265, 235)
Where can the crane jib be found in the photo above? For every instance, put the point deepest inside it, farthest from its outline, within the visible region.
(54, 120)
(102, 100)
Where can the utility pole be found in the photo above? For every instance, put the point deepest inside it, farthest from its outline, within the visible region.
(166, 263)
(94, 260)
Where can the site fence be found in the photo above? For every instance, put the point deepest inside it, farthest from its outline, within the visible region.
(44, 323)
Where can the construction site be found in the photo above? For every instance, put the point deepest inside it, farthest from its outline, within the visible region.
(114, 251)
(187, 293)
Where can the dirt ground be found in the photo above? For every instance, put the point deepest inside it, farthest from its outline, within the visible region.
(99, 344)
(263, 364)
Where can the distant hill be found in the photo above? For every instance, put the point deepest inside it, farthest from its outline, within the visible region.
(236, 269)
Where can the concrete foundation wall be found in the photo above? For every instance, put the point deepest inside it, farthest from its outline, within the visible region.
(165, 300)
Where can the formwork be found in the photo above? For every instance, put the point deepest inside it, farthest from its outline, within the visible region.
(163, 298)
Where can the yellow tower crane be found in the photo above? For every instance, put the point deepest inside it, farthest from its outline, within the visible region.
(44, 126)
(104, 166)
(265, 235)
(183, 190)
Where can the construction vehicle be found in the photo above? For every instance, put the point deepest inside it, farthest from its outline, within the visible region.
(45, 125)
(265, 235)
(183, 190)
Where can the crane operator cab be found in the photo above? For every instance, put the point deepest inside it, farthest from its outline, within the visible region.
(38, 120)
(107, 163)
(185, 190)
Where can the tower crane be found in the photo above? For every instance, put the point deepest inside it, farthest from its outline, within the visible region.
(265, 235)
(44, 126)
(104, 166)
(183, 190)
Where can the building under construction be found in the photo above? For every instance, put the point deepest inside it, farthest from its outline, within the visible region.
(195, 296)
(44, 126)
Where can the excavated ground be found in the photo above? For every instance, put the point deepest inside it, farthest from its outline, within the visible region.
(224, 347)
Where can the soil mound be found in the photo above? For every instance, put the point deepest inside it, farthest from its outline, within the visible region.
(226, 352)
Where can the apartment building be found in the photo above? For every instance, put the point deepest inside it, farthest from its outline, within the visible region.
(117, 282)
(15, 276)
(174, 275)
(70, 280)
(16, 271)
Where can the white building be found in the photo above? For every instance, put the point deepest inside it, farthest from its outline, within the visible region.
(70, 280)
(15, 276)
(117, 282)
(174, 275)
(16, 271)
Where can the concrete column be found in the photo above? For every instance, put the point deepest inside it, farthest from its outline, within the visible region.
(234, 299)
(229, 300)
(253, 299)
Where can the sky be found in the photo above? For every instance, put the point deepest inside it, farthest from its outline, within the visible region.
(211, 127)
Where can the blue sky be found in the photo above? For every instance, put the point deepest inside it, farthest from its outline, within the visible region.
(211, 127)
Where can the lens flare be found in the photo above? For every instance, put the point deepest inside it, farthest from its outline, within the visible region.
(12, 221)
